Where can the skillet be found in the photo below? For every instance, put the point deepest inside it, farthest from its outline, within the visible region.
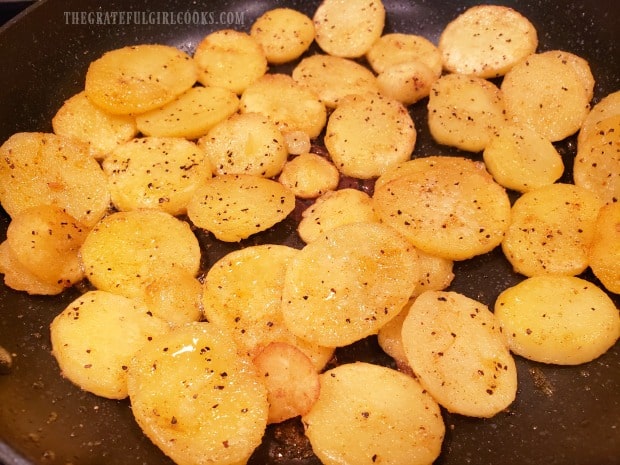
(562, 415)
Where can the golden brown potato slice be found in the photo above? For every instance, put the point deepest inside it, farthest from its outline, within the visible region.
(80, 119)
(406, 82)
(348, 29)
(608, 106)
(291, 379)
(563, 320)
(39, 168)
(449, 207)
(390, 340)
(396, 48)
(604, 255)
(196, 398)
(95, 337)
(551, 230)
(309, 175)
(139, 78)
(372, 414)
(456, 349)
(486, 41)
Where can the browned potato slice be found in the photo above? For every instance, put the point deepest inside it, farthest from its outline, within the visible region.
(348, 29)
(291, 378)
(449, 207)
(283, 33)
(139, 78)
(309, 175)
(406, 82)
(551, 230)
(235, 206)
(558, 319)
(604, 252)
(372, 414)
(396, 48)
(126, 251)
(95, 337)
(80, 119)
(369, 134)
(39, 168)
(455, 347)
(606, 107)
(160, 173)
(348, 283)
(196, 398)
(46, 241)
(230, 59)
(486, 41)
(191, 114)
(391, 342)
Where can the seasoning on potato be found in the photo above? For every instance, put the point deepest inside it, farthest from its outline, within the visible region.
(309, 175)
(604, 253)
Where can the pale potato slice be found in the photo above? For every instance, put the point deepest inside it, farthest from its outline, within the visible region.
(246, 143)
(448, 207)
(545, 92)
(390, 340)
(597, 163)
(521, 159)
(139, 78)
(41, 168)
(333, 78)
(126, 251)
(551, 230)
(235, 206)
(46, 241)
(291, 106)
(283, 33)
(291, 379)
(348, 28)
(17, 277)
(230, 59)
(487, 41)
(368, 413)
(196, 398)
(333, 209)
(455, 347)
(297, 142)
(80, 119)
(396, 48)
(464, 111)
(436, 273)
(368, 134)
(604, 254)
(562, 320)
(160, 173)
(608, 106)
(406, 82)
(309, 175)
(348, 283)
(581, 67)
(243, 292)
(191, 114)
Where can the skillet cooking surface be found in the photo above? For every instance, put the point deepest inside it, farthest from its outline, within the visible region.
(562, 415)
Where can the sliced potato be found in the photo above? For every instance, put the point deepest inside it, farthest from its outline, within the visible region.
(406, 82)
(455, 347)
(40, 168)
(563, 320)
(348, 29)
(390, 340)
(368, 134)
(160, 173)
(604, 254)
(333, 78)
(396, 48)
(372, 414)
(291, 106)
(348, 283)
(230, 59)
(235, 206)
(581, 67)
(309, 175)
(297, 142)
(246, 143)
(139, 78)
(551, 230)
(521, 159)
(464, 111)
(191, 114)
(449, 207)
(196, 398)
(283, 33)
(291, 379)
(80, 119)
(486, 41)
(436, 273)
(125, 251)
(95, 337)
(45, 235)
(608, 106)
